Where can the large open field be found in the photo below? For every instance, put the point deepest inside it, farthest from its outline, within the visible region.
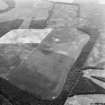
(47, 63)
